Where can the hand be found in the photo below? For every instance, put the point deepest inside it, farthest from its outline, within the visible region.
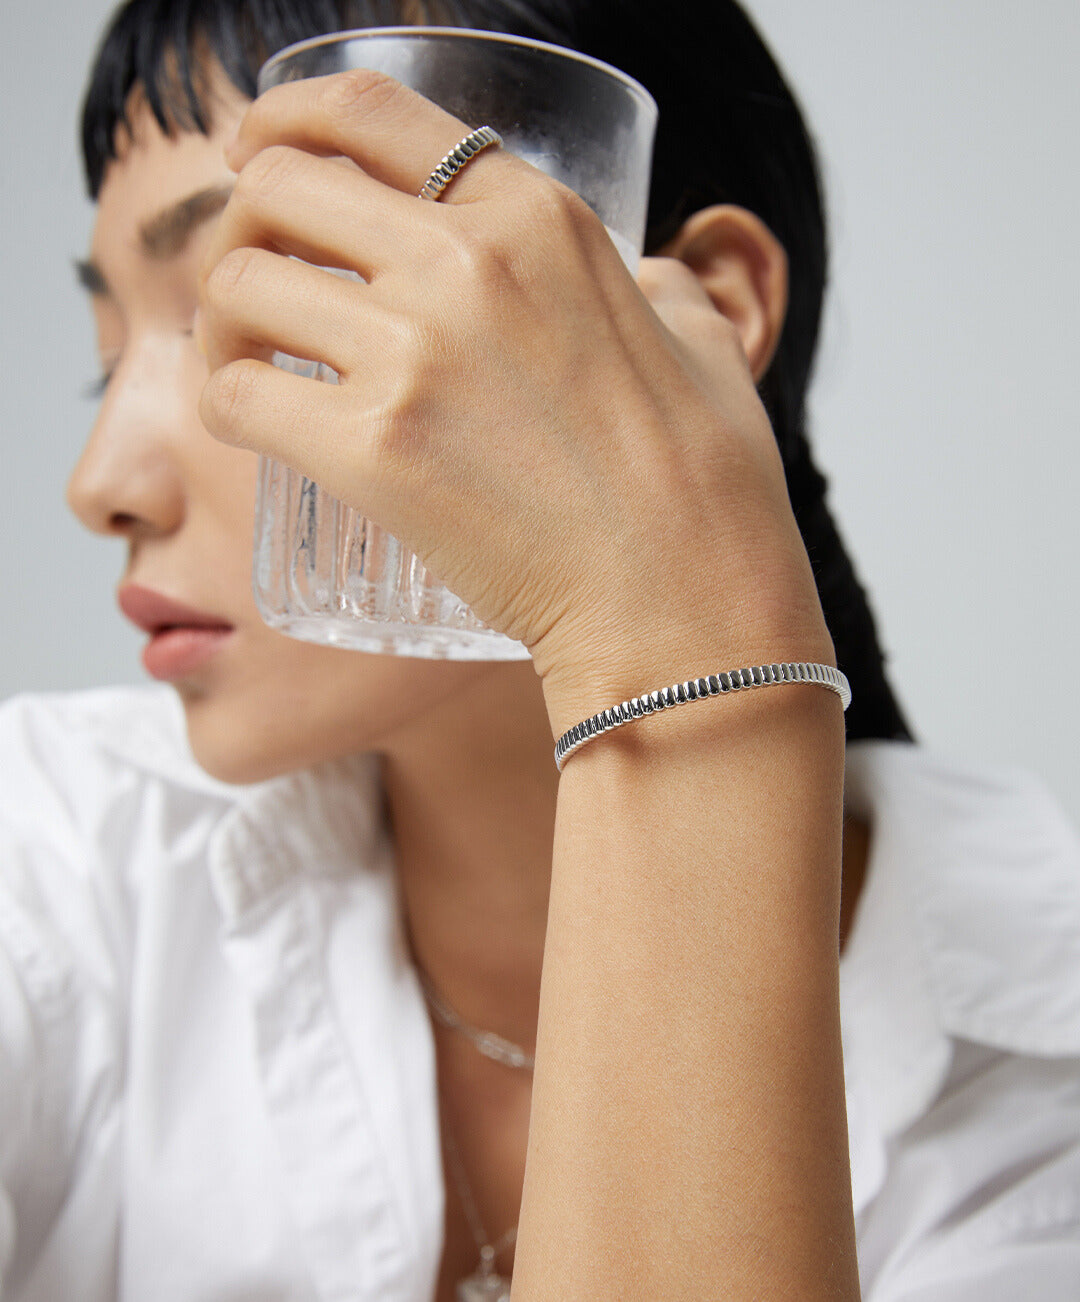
(593, 474)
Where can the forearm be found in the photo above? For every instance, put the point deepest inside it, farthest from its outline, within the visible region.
(689, 1094)
(688, 1134)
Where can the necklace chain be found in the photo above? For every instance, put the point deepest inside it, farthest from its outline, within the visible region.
(488, 1251)
(487, 1042)
(485, 1282)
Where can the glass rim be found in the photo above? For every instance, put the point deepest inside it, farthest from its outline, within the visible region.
(506, 38)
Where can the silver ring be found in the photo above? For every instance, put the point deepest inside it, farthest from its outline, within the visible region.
(456, 159)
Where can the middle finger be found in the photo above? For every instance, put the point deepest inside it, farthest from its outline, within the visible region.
(323, 210)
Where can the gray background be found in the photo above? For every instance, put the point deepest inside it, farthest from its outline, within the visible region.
(946, 400)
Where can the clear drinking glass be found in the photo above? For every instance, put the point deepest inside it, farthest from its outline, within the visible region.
(322, 572)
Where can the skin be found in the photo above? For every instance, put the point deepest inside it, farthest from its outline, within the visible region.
(185, 503)
(472, 793)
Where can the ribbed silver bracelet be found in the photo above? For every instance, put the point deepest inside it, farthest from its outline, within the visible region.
(696, 689)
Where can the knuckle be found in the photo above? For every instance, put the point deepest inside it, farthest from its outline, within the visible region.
(263, 111)
(225, 398)
(560, 225)
(389, 440)
(474, 255)
(406, 398)
(267, 174)
(231, 274)
(555, 217)
(727, 332)
(557, 209)
(360, 90)
(670, 277)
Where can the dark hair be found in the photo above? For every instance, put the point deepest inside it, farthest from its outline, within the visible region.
(730, 131)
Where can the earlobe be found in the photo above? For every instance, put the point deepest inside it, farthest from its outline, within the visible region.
(743, 268)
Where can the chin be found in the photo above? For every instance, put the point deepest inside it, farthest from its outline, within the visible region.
(238, 744)
(236, 766)
(234, 760)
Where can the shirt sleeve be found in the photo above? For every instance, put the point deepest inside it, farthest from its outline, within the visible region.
(64, 954)
(982, 1201)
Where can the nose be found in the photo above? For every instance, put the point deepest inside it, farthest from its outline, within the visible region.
(129, 479)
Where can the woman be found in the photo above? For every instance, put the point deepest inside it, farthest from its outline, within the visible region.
(261, 1109)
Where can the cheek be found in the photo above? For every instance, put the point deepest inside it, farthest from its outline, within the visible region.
(274, 704)
(227, 496)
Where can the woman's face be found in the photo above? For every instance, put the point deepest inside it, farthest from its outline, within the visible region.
(257, 703)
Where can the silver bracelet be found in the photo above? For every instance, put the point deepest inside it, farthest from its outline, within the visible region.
(696, 689)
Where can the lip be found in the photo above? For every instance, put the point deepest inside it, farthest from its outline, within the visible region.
(182, 639)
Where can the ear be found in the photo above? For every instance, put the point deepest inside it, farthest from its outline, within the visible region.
(743, 268)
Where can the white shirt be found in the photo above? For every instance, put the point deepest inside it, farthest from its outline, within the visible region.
(216, 1068)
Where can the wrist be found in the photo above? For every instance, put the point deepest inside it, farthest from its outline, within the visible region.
(693, 691)
(710, 617)
(602, 674)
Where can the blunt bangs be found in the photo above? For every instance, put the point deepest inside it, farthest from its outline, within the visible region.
(167, 46)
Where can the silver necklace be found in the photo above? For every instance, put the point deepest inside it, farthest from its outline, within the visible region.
(485, 1284)
(489, 1044)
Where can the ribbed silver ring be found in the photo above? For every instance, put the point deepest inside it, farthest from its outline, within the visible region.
(456, 159)
(696, 689)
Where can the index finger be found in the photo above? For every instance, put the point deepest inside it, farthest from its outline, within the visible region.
(391, 131)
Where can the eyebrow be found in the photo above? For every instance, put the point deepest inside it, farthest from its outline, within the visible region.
(164, 235)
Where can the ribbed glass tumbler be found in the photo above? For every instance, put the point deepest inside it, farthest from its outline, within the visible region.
(322, 572)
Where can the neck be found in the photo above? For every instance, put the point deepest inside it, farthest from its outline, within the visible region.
(471, 802)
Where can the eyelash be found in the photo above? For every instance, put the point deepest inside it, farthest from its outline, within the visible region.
(96, 388)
